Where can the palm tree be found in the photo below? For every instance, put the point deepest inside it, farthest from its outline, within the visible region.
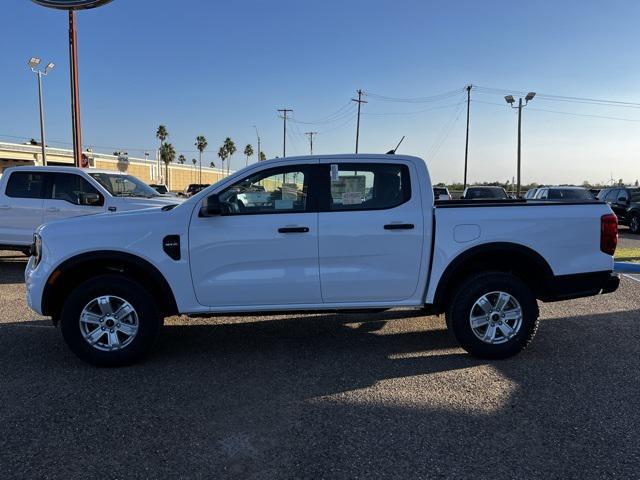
(161, 134)
(182, 159)
(230, 148)
(168, 155)
(222, 153)
(194, 161)
(263, 157)
(212, 165)
(201, 144)
(248, 151)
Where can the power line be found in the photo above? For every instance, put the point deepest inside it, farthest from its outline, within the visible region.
(432, 98)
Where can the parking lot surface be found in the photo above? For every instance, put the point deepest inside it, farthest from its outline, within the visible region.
(325, 396)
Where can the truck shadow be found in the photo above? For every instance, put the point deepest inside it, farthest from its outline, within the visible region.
(12, 265)
(319, 396)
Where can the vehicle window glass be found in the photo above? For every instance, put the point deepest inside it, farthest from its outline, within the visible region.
(368, 186)
(26, 185)
(543, 195)
(569, 194)
(120, 185)
(612, 195)
(622, 194)
(279, 190)
(635, 195)
(71, 188)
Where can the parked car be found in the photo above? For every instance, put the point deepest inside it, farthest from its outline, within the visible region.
(625, 203)
(531, 193)
(31, 196)
(339, 233)
(485, 193)
(564, 194)
(194, 188)
(441, 193)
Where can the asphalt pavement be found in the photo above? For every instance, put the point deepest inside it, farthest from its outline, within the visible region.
(325, 396)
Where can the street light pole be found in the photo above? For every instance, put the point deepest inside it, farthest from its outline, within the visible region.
(466, 143)
(33, 63)
(258, 135)
(510, 100)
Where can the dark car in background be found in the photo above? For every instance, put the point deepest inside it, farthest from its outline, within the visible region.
(485, 193)
(192, 189)
(625, 203)
(564, 194)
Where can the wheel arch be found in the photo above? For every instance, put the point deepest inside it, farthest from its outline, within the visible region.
(75, 270)
(522, 261)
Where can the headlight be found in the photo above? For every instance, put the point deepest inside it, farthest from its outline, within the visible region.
(36, 249)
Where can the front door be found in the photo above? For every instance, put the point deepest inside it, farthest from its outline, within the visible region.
(371, 233)
(67, 197)
(263, 250)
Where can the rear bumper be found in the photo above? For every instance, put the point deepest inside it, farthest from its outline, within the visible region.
(565, 287)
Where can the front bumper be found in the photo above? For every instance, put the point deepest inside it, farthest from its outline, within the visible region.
(565, 287)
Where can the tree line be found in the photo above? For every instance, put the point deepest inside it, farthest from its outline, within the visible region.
(225, 152)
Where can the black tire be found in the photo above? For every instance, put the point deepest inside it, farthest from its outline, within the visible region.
(634, 223)
(149, 320)
(460, 308)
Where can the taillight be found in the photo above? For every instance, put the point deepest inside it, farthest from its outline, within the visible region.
(608, 233)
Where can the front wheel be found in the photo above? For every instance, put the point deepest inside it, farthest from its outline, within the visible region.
(493, 315)
(109, 321)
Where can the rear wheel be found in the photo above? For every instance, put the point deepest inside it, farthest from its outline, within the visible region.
(493, 315)
(109, 321)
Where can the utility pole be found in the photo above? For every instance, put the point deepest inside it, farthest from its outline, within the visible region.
(258, 135)
(311, 134)
(360, 102)
(466, 144)
(284, 112)
(33, 64)
(510, 100)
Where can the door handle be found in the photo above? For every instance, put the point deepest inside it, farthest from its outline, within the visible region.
(293, 229)
(5, 207)
(52, 210)
(398, 226)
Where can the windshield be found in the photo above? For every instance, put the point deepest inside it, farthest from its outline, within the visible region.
(496, 192)
(120, 185)
(570, 194)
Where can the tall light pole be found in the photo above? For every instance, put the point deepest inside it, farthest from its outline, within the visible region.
(258, 135)
(33, 64)
(510, 100)
(71, 6)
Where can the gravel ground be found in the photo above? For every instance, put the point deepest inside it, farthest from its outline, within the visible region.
(325, 397)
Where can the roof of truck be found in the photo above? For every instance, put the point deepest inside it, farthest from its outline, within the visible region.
(52, 168)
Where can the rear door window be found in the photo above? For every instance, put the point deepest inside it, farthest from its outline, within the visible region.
(612, 195)
(26, 185)
(364, 186)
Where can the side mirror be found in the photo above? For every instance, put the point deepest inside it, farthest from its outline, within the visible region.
(211, 206)
(91, 199)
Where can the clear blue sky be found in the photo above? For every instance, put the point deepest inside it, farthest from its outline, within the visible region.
(218, 68)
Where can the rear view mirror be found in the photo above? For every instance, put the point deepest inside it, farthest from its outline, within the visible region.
(91, 199)
(211, 206)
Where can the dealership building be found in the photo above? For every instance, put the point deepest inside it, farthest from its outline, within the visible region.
(147, 170)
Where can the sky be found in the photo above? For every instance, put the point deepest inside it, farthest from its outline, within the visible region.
(219, 68)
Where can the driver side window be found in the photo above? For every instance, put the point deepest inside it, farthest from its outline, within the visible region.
(277, 190)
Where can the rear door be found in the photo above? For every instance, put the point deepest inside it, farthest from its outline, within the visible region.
(370, 232)
(66, 194)
(21, 207)
(620, 204)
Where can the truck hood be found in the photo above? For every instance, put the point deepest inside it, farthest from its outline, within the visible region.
(134, 203)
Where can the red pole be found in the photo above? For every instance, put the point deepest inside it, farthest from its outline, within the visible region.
(75, 93)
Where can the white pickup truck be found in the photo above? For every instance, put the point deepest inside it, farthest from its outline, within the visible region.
(31, 196)
(330, 233)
